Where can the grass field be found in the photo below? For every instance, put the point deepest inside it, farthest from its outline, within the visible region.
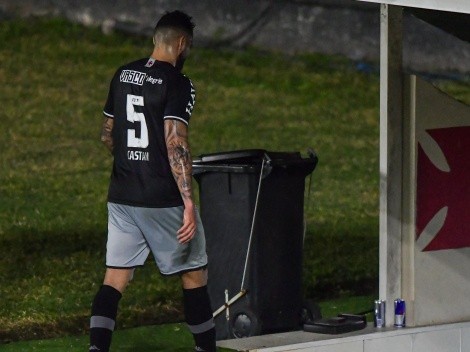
(54, 172)
(164, 337)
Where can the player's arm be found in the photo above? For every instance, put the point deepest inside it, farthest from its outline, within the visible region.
(106, 133)
(179, 156)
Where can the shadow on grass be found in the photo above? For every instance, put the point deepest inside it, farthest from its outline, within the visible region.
(49, 280)
(60, 242)
(25, 249)
(167, 337)
(341, 262)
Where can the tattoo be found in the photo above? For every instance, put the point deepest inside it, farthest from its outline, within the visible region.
(179, 155)
(106, 133)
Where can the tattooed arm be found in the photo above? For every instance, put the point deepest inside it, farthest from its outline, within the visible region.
(176, 137)
(106, 136)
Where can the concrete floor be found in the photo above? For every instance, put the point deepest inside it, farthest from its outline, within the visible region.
(453, 337)
(256, 343)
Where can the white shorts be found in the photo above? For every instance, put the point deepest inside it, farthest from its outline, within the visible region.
(135, 231)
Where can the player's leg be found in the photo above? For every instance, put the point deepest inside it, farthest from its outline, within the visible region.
(118, 278)
(198, 310)
(160, 228)
(105, 306)
(194, 279)
(126, 249)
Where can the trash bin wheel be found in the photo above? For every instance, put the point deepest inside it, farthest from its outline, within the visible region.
(310, 311)
(244, 323)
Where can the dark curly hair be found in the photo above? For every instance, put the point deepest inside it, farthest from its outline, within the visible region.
(176, 20)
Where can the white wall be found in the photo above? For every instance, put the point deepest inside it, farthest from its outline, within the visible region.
(436, 249)
(440, 338)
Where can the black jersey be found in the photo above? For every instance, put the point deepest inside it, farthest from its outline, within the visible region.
(142, 95)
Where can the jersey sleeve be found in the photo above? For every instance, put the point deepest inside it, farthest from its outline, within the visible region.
(108, 109)
(181, 97)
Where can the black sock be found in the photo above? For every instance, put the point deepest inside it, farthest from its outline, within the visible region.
(103, 318)
(198, 313)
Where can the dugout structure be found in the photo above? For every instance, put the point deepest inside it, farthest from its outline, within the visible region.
(424, 178)
(424, 202)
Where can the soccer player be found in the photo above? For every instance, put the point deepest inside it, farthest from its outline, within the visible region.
(150, 202)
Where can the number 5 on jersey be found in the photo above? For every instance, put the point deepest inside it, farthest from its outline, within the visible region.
(134, 116)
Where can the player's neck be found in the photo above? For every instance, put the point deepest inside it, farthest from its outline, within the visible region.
(160, 54)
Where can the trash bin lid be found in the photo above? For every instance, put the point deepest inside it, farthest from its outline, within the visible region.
(245, 156)
(250, 160)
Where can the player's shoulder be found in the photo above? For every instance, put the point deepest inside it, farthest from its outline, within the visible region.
(137, 65)
(186, 79)
(174, 75)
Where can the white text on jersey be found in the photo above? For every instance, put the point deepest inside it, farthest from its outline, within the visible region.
(154, 80)
(134, 77)
(137, 155)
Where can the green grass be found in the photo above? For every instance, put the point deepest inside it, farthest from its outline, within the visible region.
(54, 171)
(165, 337)
(170, 337)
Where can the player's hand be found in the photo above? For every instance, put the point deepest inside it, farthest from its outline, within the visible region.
(188, 230)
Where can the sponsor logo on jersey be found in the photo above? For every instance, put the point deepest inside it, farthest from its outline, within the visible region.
(133, 77)
(152, 80)
(150, 62)
(138, 155)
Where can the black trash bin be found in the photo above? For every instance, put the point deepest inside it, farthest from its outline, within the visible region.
(252, 208)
